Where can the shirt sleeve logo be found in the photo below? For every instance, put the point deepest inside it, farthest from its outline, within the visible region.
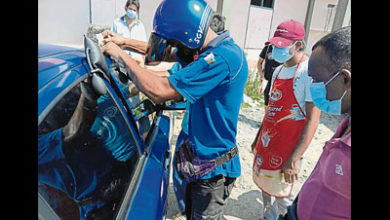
(210, 58)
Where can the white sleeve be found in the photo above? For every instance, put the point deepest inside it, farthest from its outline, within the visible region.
(139, 33)
(307, 80)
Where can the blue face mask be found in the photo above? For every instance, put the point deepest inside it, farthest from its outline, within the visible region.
(318, 94)
(131, 14)
(282, 55)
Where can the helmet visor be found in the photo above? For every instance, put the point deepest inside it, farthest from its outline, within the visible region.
(158, 50)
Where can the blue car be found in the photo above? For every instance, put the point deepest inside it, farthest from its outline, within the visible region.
(99, 155)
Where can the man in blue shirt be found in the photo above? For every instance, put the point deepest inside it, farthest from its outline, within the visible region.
(213, 83)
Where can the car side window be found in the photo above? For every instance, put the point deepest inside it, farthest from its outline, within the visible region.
(86, 156)
(135, 97)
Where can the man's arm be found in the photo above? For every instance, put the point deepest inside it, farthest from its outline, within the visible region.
(260, 62)
(81, 120)
(260, 67)
(133, 90)
(125, 43)
(157, 88)
(290, 168)
(261, 74)
(135, 46)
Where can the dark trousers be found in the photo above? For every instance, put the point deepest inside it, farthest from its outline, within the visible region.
(205, 199)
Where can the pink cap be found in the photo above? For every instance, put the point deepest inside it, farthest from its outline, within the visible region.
(286, 33)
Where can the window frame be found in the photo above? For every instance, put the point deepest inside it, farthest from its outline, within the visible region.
(261, 5)
(117, 99)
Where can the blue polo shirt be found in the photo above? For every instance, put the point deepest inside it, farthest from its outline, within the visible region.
(214, 85)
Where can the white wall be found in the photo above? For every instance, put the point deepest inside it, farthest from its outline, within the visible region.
(258, 27)
(236, 18)
(105, 11)
(320, 13)
(62, 21)
(148, 8)
(260, 21)
(65, 22)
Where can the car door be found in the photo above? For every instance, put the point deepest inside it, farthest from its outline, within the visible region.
(107, 154)
(146, 197)
(145, 192)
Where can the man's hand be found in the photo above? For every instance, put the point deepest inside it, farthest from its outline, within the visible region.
(261, 86)
(111, 49)
(290, 170)
(110, 36)
(133, 90)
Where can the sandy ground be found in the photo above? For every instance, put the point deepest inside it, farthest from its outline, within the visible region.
(245, 201)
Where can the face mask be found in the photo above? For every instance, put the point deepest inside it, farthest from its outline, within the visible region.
(318, 94)
(131, 14)
(281, 55)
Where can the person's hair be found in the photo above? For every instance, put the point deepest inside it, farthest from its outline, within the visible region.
(337, 46)
(133, 2)
(221, 24)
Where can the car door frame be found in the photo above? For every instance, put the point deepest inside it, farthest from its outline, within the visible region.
(145, 150)
(156, 153)
(57, 89)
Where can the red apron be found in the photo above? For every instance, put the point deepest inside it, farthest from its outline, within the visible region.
(281, 129)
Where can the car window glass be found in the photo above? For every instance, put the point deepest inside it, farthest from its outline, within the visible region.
(135, 97)
(86, 156)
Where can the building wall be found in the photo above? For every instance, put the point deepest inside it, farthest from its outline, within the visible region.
(65, 22)
(320, 14)
(236, 19)
(62, 22)
(263, 21)
(259, 24)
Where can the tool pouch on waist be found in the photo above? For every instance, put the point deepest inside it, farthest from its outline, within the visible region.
(191, 168)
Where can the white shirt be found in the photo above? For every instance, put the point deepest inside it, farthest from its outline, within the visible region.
(301, 84)
(137, 32)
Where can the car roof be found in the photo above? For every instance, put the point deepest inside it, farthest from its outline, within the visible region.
(54, 60)
(58, 68)
(45, 50)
